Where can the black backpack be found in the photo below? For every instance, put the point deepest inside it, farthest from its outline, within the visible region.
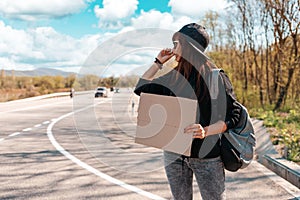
(238, 143)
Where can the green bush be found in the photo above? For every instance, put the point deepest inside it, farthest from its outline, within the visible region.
(286, 131)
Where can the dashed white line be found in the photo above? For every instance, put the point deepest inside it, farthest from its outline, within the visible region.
(90, 168)
(27, 129)
(37, 125)
(14, 134)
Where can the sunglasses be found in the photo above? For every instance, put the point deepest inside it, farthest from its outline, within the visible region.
(175, 43)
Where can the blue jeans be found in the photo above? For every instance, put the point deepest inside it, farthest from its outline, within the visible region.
(209, 174)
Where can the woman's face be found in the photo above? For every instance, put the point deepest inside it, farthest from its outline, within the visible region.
(177, 49)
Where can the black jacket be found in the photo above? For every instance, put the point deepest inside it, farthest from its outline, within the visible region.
(165, 85)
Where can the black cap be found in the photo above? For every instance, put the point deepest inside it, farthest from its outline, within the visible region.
(197, 33)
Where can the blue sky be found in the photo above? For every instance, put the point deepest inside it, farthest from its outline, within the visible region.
(61, 34)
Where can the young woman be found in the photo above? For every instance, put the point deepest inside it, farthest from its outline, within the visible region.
(189, 79)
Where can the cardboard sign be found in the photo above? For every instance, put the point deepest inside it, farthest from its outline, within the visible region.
(161, 121)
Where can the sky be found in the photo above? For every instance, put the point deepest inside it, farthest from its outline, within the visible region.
(63, 34)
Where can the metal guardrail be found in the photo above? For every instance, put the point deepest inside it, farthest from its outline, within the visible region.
(269, 157)
(286, 169)
(58, 94)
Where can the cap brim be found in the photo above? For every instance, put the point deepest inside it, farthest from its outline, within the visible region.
(198, 50)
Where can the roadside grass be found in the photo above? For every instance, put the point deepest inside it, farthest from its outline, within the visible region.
(284, 128)
(15, 94)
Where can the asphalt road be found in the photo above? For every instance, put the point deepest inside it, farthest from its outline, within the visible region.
(83, 148)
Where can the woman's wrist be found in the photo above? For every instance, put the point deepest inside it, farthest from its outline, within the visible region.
(216, 128)
(158, 63)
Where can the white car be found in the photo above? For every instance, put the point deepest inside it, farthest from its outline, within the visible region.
(101, 92)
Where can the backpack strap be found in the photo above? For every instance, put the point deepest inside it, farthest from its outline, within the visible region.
(213, 87)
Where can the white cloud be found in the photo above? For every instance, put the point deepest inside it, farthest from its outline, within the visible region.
(43, 47)
(152, 19)
(7, 63)
(195, 8)
(115, 12)
(16, 43)
(156, 19)
(40, 9)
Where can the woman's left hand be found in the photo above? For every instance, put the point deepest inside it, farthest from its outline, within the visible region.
(197, 130)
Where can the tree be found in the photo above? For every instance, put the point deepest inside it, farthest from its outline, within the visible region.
(210, 21)
(285, 19)
(269, 55)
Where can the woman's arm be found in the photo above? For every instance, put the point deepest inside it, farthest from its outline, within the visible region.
(163, 56)
(201, 132)
(149, 74)
(147, 83)
(233, 112)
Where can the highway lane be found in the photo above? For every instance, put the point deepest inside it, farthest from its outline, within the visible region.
(102, 160)
(31, 167)
(19, 115)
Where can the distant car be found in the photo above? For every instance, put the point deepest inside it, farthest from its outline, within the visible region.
(101, 92)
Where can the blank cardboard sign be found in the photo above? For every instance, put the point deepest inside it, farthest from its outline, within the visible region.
(161, 121)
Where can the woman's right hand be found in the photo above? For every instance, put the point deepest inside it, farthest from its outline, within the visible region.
(164, 55)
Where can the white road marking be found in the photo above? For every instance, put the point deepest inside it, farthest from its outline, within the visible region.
(14, 134)
(26, 130)
(31, 107)
(90, 168)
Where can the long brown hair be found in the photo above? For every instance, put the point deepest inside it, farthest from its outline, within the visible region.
(193, 61)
